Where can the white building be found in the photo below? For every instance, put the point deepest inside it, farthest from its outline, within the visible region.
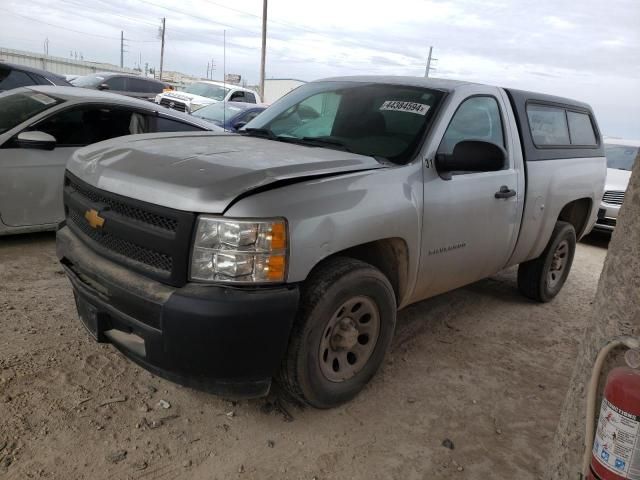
(274, 88)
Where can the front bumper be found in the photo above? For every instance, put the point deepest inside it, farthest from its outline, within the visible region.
(607, 217)
(228, 341)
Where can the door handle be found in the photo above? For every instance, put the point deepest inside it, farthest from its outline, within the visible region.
(505, 192)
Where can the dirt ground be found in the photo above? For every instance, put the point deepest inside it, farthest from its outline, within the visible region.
(481, 369)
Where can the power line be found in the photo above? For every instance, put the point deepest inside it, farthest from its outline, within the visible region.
(69, 29)
(204, 19)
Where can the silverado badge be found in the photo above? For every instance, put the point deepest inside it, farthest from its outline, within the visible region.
(94, 219)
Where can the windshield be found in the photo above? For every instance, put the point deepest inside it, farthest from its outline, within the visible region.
(372, 119)
(16, 108)
(88, 81)
(621, 157)
(219, 112)
(207, 90)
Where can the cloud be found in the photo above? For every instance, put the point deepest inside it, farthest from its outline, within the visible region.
(587, 50)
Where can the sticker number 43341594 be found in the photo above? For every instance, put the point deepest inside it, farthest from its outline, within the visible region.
(409, 107)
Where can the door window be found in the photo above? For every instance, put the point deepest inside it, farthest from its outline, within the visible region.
(478, 118)
(117, 83)
(86, 125)
(237, 97)
(249, 116)
(167, 125)
(249, 97)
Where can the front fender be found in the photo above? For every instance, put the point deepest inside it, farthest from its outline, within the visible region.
(329, 215)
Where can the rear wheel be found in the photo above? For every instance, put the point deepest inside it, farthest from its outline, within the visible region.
(542, 279)
(344, 327)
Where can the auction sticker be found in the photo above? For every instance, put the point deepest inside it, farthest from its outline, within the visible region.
(617, 442)
(409, 107)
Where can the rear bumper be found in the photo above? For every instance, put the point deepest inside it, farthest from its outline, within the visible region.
(228, 341)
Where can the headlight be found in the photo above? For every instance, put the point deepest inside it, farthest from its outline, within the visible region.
(240, 251)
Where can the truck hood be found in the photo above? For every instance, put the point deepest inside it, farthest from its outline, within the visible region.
(617, 179)
(203, 172)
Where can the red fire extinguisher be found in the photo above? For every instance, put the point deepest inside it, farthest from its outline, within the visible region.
(616, 446)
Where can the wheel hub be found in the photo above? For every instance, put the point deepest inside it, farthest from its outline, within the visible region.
(556, 268)
(345, 336)
(349, 339)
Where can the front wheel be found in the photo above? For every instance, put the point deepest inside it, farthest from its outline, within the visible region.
(542, 278)
(345, 324)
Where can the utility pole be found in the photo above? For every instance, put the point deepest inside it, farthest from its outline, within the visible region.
(162, 29)
(430, 60)
(121, 49)
(207, 70)
(264, 46)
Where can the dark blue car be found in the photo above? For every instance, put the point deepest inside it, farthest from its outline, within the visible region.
(230, 115)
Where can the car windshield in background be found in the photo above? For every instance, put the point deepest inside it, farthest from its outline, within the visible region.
(378, 120)
(621, 157)
(15, 108)
(207, 90)
(88, 81)
(218, 112)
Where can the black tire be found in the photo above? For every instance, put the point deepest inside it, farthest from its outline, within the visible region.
(333, 284)
(536, 278)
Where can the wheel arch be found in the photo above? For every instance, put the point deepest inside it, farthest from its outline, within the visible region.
(389, 255)
(577, 213)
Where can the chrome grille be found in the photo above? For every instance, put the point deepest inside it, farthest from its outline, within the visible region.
(613, 197)
(174, 104)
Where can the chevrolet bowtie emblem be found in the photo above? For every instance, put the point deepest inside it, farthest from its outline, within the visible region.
(94, 219)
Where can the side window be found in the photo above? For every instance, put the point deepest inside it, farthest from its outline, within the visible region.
(86, 125)
(13, 79)
(249, 97)
(117, 83)
(581, 129)
(478, 118)
(39, 79)
(548, 125)
(137, 85)
(166, 125)
(237, 97)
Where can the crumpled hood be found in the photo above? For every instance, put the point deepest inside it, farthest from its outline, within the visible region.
(203, 172)
(617, 179)
(189, 98)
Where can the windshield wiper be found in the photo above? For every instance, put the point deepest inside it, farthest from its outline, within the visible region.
(260, 132)
(317, 142)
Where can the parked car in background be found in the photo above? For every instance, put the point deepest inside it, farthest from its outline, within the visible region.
(286, 251)
(15, 76)
(621, 155)
(40, 127)
(124, 84)
(231, 116)
(205, 92)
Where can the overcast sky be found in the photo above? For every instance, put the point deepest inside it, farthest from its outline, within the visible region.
(587, 49)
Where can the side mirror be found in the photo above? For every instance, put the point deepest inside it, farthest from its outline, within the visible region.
(37, 140)
(239, 125)
(103, 86)
(472, 156)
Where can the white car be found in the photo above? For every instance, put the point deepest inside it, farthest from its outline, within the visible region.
(621, 155)
(41, 127)
(205, 92)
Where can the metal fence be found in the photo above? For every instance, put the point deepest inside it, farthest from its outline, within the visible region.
(59, 65)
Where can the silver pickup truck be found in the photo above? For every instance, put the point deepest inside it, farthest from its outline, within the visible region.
(226, 261)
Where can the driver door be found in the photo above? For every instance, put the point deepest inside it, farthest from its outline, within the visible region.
(469, 234)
